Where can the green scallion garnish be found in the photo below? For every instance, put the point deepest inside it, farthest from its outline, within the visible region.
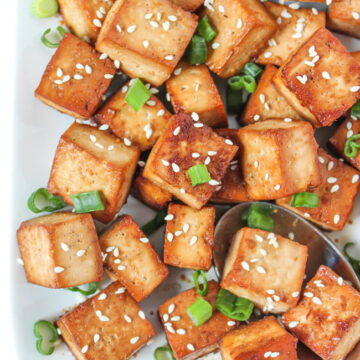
(163, 353)
(46, 335)
(44, 8)
(137, 95)
(204, 289)
(41, 200)
(236, 83)
(249, 83)
(351, 146)
(87, 202)
(199, 174)
(92, 288)
(252, 69)
(258, 216)
(205, 29)
(235, 100)
(159, 220)
(49, 43)
(355, 263)
(197, 51)
(305, 199)
(355, 110)
(200, 311)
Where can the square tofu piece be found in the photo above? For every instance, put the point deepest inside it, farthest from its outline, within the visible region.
(356, 55)
(141, 127)
(337, 191)
(265, 268)
(75, 79)
(264, 338)
(186, 143)
(187, 341)
(60, 250)
(327, 319)
(189, 5)
(243, 28)
(131, 259)
(295, 27)
(322, 80)
(267, 103)
(277, 158)
(189, 237)
(147, 37)
(192, 89)
(88, 159)
(108, 326)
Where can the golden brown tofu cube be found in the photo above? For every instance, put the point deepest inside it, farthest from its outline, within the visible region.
(108, 326)
(60, 250)
(356, 55)
(261, 339)
(189, 5)
(147, 45)
(321, 81)
(243, 28)
(327, 318)
(277, 158)
(75, 78)
(189, 237)
(266, 268)
(88, 159)
(192, 89)
(337, 191)
(295, 27)
(188, 341)
(186, 143)
(130, 258)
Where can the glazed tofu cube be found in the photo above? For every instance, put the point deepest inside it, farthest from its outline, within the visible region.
(184, 144)
(142, 128)
(75, 79)
(189, 237)
(189, 5)
(295, 27)
(337, 191)
(60, 250)
(188, 341)
(321, 81)
(148, 38)
(264, 338)
(277, 158)
(88, 159)
(192, 89)
(327, 318)
(356, 55)
(108, 326)
(243, 28)
(265, 268)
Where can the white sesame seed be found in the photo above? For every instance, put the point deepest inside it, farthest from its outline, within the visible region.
(64, 246)
(169, 217)
(309, 63)
(294, 6)
(315, 11)
(195, 116)
(97, 23)
(303, 79)
(355, 178)
(148, 16)
(212, 153)
(144, 240)
(331, 180)
(239, 24)
(193, 240)
(80, 253)
(336, 219)
(131, 29)
(295, 294)
(334, 188)
(262, 98)
(166, 317)
(175, 167)
(190, 347)
(121, 268)
(215, 45)
(245, 265)
(186, 227)
(85, 349)
(175, 318)
(116, 252)
(127, 142)
(207, 160)
(291, 236)
(181, 331)
(127, 319)
(170, 236)
(198, 125)
(78, 77)
(256, 164)
(270, 291)
(308, 294)
(165, 163)
(171, 308)
(117, 261)
(59, 72)
(267, 354)
(178, 233)
(117, 64)
(58, 269)
(275, 354)
(154, 24)
(183, 191)
(146, 44)
(340, 281)
(88, 69)
(316, 300)
(66, 78)
(177, 131)
(120, 290)
(166, 25)
(256, 117)
(293, 324)
(110, 249)
(276, 298)
(102, 296)
(229, 142)
(263, 252)
(96, 338)
(104, 127)
(307, 215)
(118, 28)
(277, 187)
(134, 340)
(355, 88)
(326, 75)
(151, 103)
(108, 76)
(195, 155)
(355, 15)
(267, 54)
(321, 159)
(141, 315)
(260, 270)
(214, 182)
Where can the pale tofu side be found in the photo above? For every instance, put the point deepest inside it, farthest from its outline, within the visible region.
(327, 319)
(189, 5)
(273, 280)
(108, 326)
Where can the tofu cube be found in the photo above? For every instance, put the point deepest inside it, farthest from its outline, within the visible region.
(327, 318)
(321, 80)
(295, 27)
(264, 338)
(141, 127)
(243, 28)
(189, 237)
(189, 5)
(60, 250)
(337, 191)
(186, 143)
(187, 341)
(131, 259)
(108, 326)
(88, 159)
(75, 79)
(148, 47)
(192, 89)
(268, 269)
(356, 55)
(278, 158)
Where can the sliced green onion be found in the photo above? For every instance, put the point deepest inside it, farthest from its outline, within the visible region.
(236, 82)
(235, 100)
(199, 311)
(137, 95)
(204, 290)
(305, 199)
(197, 50)
(46, 335)
(199, 174)
(41, 200)
(87, 202)
(163, 353)
(205, 29)
(258, 216)
(92, 288)
(355, 110)
(252, 69)
(47, 42)
(355, 263)
(44, 8)
(351, 146)
(159, 220)
(249, 83)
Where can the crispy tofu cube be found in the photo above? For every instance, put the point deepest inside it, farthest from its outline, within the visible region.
(131, 259)
(70, 89)
(108, 326)
(60, 250)
(141, 127)
(253, 341)
(295, 27)
(356, 55)
(183, 144)
(146, 46)
(337, 191)
(188, 341)
(268, 269)
(327, 318)
(189, 237)
(321, 81)
(194, 90)
(189, 5)
(88, 159)
(278, 157)
(243, 28)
